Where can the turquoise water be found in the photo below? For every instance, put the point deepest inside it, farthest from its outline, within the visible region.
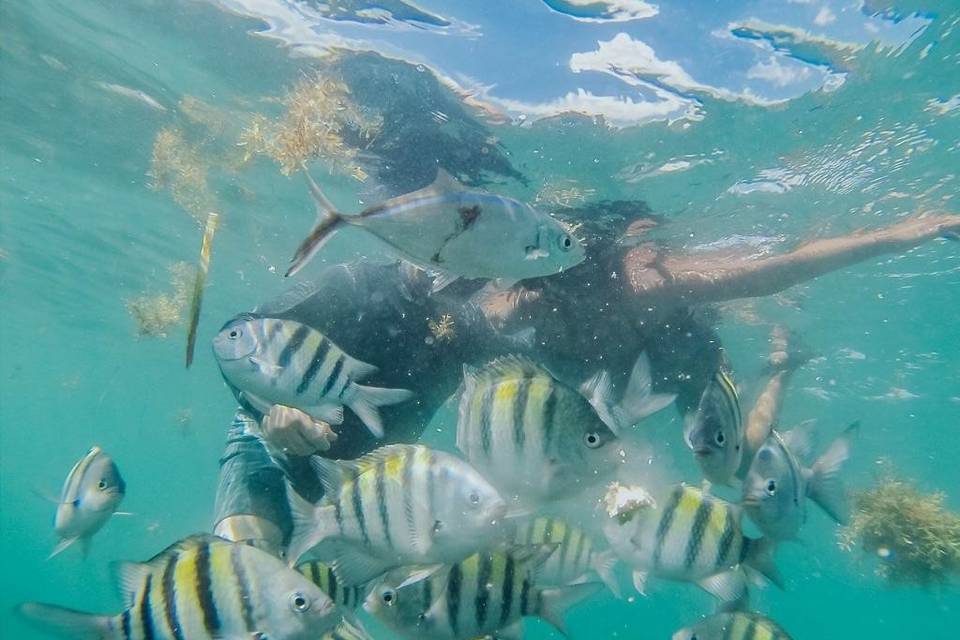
(86, 87)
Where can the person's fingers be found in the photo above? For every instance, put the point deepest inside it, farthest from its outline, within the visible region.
(298, 444)
(319, 435)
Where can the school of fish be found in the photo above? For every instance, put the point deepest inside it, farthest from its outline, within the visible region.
(465, 544)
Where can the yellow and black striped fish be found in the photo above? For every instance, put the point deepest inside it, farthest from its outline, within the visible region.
(714, 432)
(323, 575)
(272, 361)
(398, 505)
(536, 438)
(203, 588)
(738, 625)
(486, 593)
(575, 557)
(694, 537)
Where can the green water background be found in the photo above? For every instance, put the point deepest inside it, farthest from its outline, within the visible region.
(81, 233)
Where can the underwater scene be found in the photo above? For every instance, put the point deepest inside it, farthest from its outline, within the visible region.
(450, 319)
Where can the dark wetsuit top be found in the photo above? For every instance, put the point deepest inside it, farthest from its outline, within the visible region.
(380, 314)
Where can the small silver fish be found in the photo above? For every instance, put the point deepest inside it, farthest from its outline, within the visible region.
(737, 625)
(714, 432)
(777, 484)
(203, 588)
(91, 494)
(446, 229)
(272, 361)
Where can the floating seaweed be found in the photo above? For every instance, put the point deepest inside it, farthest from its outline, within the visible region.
(563, 194)
(915, 536)
(155, 314)
(179, 167)
(442, 329)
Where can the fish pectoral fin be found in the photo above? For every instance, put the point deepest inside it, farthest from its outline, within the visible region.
(442, 280)
(729, 586)
(43, 495)
(640, 579)
(535, 253)
(124, 513)
(61, 546)
(329, 413)
(264, 366)
(355, 566)
(419, 575)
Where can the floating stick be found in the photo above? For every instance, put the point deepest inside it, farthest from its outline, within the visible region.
(198, 284)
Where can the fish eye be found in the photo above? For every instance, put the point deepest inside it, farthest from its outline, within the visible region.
(437, 526)
(102, 484)
(771, 487)
(234, 333)
(566, 242)
(474, 498)
(299, 602)
(592, 439)
(388, 597)
(720, 438)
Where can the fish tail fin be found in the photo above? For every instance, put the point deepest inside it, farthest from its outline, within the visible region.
(311, 525)
(328, 219)
(604, 564)
(639, 401)
(556, 602)
(364, 402)
(826, 487)
(67, 622)
(760, 558)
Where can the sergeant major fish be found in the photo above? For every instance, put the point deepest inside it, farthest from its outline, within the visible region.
(203, 588)
(777, 484)
(486, 594)
(714, 432)
(692, 537)
(538, 439)
(576, 557)
(272, 361)
(446, 229)
(738, 625)
(400, 504)
(91, 494)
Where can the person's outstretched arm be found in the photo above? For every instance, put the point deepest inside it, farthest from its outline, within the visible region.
(681, 280)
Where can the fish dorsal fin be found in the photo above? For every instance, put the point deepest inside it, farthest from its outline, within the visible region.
(800, 440)
(509, 366)
(334, 473)
(190, 542)
(445, 182)
(130, 579)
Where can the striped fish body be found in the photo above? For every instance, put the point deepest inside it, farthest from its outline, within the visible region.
(715, 431)
(91, 494)
(693, 537)
(575, 558)
(738, 625)
(536, 438)
(401, 504)
(446, 228)
(323, 575)
(273, 361)
(205, 588)
(481, 595)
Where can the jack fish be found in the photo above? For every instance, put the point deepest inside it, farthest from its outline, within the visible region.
(272, 361)
(91, 494)
(486, 594)
(399, 505)
(444, 228)
(203, 588)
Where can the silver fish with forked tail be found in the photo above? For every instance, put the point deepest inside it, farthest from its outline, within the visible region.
(91, 494)
(446, 229)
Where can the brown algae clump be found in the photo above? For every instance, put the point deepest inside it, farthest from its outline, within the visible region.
(177, 166)
(155, 314)
(319, 114)
(914, 534)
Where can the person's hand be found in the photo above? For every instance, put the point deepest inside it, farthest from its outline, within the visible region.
(294, 432)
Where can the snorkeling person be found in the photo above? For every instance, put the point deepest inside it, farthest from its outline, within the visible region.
(625, 298)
